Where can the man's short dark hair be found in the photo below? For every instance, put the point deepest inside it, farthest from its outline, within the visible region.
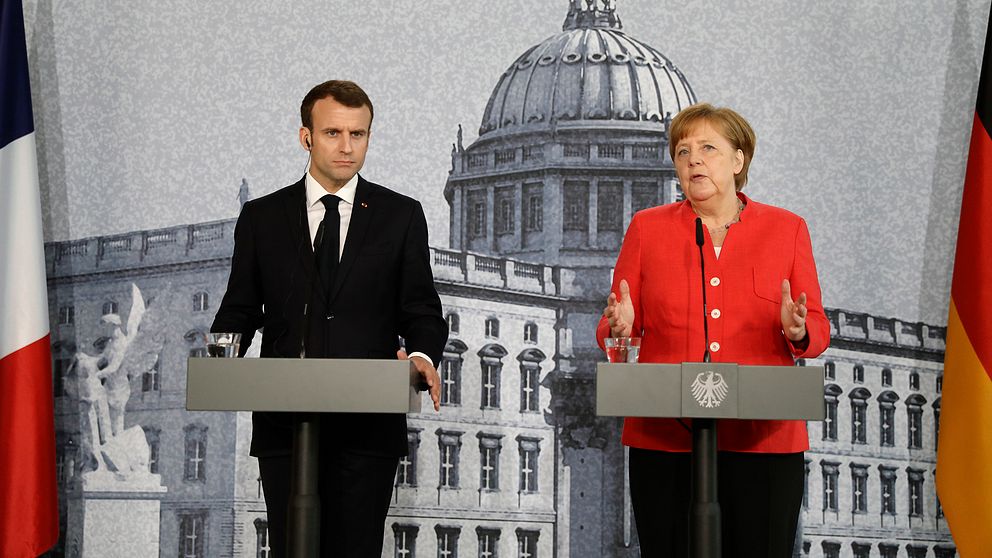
(348, 93)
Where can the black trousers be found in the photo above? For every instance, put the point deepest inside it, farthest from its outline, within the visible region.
(760, 496)
(355, 490)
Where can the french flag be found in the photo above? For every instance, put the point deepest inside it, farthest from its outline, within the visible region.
(29, 518)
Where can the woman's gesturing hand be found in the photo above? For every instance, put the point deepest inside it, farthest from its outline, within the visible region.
(619, 311)
(793, 313)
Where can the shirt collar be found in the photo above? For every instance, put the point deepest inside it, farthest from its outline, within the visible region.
(315, 191)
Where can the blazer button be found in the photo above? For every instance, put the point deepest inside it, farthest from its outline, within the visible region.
(715, 281)
(715, 313)
(714, 347)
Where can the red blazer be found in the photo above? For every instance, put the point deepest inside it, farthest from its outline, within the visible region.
(660, 261)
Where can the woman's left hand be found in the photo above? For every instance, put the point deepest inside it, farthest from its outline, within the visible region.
(793, 313)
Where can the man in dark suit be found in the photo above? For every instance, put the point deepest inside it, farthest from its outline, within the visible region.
(335, 266)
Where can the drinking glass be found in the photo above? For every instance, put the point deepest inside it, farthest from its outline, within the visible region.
(223, 345)
(622, 349)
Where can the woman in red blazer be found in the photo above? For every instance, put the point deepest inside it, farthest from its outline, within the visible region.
(763, 307)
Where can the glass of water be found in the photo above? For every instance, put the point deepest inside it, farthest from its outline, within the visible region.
(223, 345)
(622, 349)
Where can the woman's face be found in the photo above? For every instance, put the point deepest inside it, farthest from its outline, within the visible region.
(706, 163)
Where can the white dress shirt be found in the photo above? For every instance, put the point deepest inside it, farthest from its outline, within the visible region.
(316, 210)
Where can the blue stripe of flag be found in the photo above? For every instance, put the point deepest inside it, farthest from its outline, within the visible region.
(15, 89)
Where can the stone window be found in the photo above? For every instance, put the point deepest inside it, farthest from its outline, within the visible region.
(454, 322)
(201, 302)
(451, 373)
(195, 462)
(447, 541)
(533, 207)
(192, 534)
(914, 381)
(505, 211)
(830, 476)
(406, 472)
(936, 422)
(530, 332)
(477, 217)
(492, 327)
(488, 542)
(916, 496)
(262, 546)
(830, 393)
(888, 550)
(489, 449)
(576, 205)
(151, 378)
(527, 543)
(886, 377)
(609, 207)
(859, 374)
(914, 415)
(829, 371)
(806, 484)
(67, 315)
(887, 476)
(887, 415)
(859, 488)
(405, 540)
(530, 450)
(859, 415)
(491, 363)
(109, 307)
(153, 436)
(861, 549)
(449, 444)
(530, 380)
(830, 549)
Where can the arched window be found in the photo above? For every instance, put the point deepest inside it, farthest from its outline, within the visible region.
(859, 415)
(530, 380)
(491, 360)
(830, 394)
(451, 372)
(887, 418)
(914, 410)
(262, 547)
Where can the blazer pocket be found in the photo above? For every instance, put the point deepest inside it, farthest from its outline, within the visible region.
(767, 285)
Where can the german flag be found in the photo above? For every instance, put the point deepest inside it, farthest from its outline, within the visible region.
(964, 452)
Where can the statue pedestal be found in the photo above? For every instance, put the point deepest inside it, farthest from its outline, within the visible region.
(114, 516)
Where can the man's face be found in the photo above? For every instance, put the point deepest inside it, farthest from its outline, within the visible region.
(339, 142)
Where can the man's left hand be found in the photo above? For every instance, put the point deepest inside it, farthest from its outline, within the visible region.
(428, 373)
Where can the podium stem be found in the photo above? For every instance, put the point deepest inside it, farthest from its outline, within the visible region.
(704, 511)
(304, 506)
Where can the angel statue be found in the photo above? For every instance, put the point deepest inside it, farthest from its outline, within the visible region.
(102, 384)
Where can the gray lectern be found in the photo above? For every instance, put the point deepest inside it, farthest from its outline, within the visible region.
(705, 392)
(305, 387)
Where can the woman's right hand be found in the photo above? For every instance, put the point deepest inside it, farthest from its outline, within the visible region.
(619, 312)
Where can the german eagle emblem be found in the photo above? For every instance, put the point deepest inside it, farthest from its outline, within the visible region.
(709, 389)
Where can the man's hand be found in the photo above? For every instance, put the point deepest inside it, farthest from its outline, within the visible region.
(428, 373)
(793, 314)
(619, 312)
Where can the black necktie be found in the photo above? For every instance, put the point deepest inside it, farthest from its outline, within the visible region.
(328, 241)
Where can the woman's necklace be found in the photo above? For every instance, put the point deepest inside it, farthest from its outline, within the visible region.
(736, 219)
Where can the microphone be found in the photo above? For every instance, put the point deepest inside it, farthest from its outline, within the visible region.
(702, 273)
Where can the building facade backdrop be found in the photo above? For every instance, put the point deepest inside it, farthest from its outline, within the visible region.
(571, 143)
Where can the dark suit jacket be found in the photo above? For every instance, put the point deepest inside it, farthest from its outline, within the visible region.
(383, 289)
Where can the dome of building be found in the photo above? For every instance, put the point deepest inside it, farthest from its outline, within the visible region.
(591, 71)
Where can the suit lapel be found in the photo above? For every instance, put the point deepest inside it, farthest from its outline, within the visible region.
(294, 208)
(361, 216)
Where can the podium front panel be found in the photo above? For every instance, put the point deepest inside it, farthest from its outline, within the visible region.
(301, 385)
(781, 392)
(638, 390)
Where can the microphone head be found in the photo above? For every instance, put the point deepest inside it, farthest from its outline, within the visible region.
(699, 232)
